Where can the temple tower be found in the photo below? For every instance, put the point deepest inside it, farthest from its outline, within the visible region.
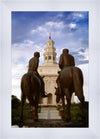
(49, 54)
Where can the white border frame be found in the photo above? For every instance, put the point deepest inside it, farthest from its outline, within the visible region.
(5, 79)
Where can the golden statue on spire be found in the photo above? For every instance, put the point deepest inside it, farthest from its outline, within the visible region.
(49, 35)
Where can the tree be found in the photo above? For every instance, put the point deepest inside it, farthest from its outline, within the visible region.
(15, 102)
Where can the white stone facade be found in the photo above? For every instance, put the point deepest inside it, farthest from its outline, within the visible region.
(50, 73)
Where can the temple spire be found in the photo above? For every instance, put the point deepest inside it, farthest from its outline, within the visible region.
(49, 54)
(49, 35)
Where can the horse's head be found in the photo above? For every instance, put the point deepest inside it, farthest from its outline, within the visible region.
(58, 96)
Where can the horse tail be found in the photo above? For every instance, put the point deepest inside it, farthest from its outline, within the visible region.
(78, 83)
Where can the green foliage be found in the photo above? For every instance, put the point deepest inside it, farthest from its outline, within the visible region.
(15, 116)
(59, 107)
(15, 102)
(39, 110)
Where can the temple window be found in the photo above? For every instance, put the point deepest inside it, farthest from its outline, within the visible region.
(53, 58)
(49, 99)
(49, 57)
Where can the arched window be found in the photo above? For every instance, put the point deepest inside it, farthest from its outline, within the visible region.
(49, 101)
(46, 58)
(49, 57)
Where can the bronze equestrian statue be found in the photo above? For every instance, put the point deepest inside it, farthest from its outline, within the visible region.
(70, 80)
(32, 86)
(33, 66)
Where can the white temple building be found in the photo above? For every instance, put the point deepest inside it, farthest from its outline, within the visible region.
(49, 69)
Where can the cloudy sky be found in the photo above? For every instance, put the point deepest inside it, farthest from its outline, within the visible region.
(30, 31)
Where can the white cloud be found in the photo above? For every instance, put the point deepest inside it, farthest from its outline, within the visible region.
(24, 50)
(50, 26)
(33, 31)
(41, 30)
(85, 54)
(72, 25)
(28, 42)
(18, 70)
(60, 15)
(58, 25)
(78, 15)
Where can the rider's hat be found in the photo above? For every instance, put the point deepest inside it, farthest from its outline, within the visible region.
(65, 51)
(36, 54)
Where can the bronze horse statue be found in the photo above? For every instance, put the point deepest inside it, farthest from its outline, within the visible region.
(30, 87)
(71, 80)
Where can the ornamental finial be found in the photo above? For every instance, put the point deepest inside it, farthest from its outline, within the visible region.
(49, 35)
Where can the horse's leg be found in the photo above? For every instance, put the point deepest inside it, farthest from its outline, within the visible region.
(63, 101)
(36, 112)
(79, 93)
(34, 104)
(68, 98)
(21, 112)
(36, 108)
(63, 104)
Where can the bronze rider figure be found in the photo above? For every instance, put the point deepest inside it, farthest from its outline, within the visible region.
(66, 60)
(33, 66)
